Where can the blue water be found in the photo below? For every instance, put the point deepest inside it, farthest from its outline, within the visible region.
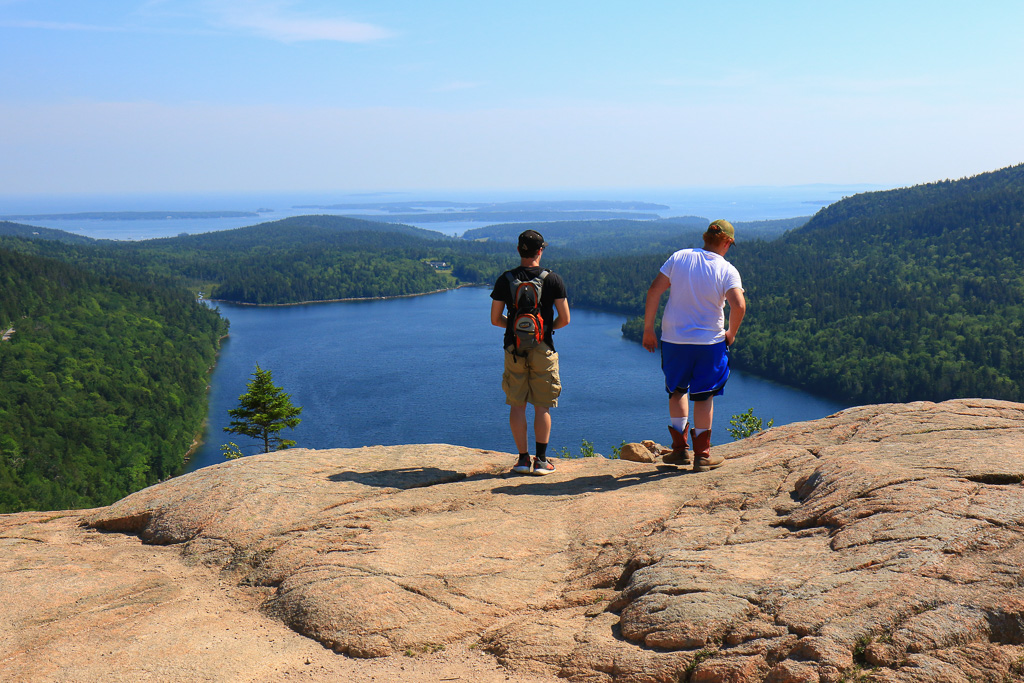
(428, 370)
(733, 203)
(395, 371)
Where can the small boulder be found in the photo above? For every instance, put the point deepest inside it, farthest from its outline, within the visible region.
(790, 671)
(729, 670)
(636, 452)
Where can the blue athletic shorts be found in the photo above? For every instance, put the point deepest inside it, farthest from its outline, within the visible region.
(697, 369)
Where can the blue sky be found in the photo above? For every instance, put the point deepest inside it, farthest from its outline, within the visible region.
(121, 96)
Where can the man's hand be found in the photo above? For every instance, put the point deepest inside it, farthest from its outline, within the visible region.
(650, 341)
(729, 338)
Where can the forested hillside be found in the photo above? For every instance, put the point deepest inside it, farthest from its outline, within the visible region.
(627, 237)
(306, 258)
(9, 229)
(911, 294)
(319, 258)
(103, 383)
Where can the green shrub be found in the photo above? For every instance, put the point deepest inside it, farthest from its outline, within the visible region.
(747, 424)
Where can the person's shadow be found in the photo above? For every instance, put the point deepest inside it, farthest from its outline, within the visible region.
(591, 484)
(401, 478)
(417, 477)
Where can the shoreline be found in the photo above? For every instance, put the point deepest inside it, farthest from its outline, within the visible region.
(356, 298)
(198, 439)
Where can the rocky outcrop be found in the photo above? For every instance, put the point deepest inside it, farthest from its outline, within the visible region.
(883, 543)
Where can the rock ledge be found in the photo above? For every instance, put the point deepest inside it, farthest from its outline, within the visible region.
(883, 543)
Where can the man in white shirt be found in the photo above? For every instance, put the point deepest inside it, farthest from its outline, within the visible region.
(695, 340)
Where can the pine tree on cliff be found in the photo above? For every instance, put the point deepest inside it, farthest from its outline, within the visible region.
(263, 411)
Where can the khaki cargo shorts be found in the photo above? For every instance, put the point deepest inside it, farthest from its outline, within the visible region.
(532, 379)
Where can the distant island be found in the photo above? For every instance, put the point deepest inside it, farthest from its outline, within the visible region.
(131, 215)
(497, 212)
(525, 206)
(505, 216)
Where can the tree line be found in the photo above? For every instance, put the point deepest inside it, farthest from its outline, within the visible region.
(306, 258)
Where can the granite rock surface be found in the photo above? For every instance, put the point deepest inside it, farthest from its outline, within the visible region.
(883, 543)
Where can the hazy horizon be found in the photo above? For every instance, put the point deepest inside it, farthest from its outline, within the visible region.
(734, 203)
(137, 96)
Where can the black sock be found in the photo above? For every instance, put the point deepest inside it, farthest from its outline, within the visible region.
(524, 455)
(542, 449)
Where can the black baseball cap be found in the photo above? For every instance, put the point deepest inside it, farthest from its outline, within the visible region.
(531, 240)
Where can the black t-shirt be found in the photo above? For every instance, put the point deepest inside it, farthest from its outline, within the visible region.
(552, 290)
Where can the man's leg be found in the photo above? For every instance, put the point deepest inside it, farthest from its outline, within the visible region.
(541, 424)
(545, 387)
(678, 407)
(703, 459)
(517, 421)
(515, 383)
(542, 433)
(677, 365)
(678, 403)
(713, 372)
(703, 411)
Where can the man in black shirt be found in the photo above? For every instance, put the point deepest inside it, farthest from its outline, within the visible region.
(531, 376)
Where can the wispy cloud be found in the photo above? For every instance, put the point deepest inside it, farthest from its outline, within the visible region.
(58, 26)
(278, 20)
(281, 20)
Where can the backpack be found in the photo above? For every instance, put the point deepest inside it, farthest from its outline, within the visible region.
(527, 322)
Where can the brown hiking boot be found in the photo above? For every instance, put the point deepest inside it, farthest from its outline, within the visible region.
(703, 461)
(680, 454)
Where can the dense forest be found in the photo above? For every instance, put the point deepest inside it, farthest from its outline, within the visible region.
(910, 294)
(104, 382)
(624, 237)
(322, 258)
(306, 258)
(9, 229)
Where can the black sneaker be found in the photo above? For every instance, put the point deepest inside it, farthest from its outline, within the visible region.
(542, 467)
(523, 465)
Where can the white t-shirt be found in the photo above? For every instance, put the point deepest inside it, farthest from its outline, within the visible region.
(695, 312)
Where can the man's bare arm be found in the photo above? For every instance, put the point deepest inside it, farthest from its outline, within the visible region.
(660, 285)
(737, 309)
(561, 314)
(498, 318)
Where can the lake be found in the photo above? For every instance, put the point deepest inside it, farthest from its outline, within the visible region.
(428, 370)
